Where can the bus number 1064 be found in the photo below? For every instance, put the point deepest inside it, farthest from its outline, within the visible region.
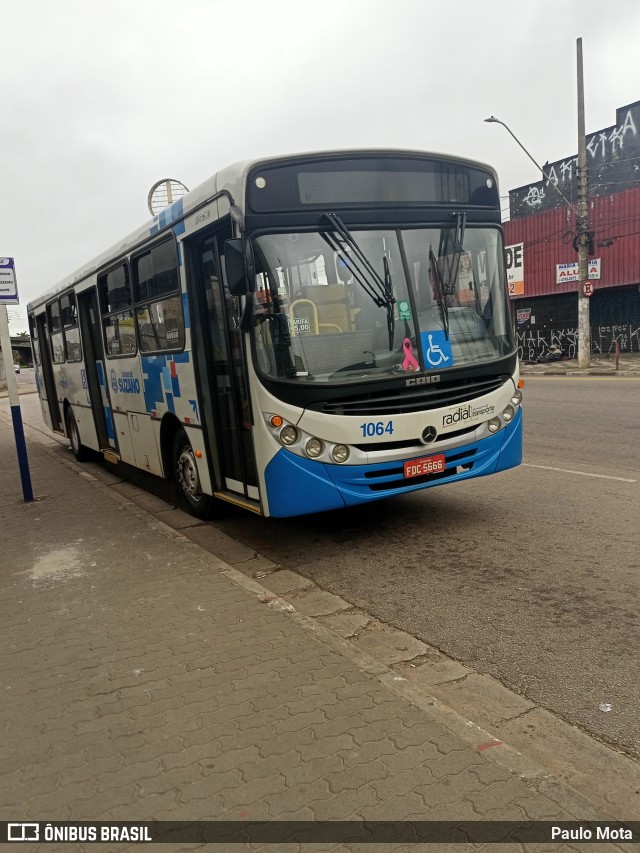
(372, 428)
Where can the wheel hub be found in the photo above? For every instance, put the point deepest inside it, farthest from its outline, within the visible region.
(188, 473)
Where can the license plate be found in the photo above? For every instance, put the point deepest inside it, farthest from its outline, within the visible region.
(427, 465)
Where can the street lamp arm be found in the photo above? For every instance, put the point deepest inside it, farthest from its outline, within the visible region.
(494, 120)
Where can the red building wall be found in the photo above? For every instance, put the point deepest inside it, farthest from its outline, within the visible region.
(548, 240)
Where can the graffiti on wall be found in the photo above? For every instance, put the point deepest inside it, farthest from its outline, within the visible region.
(606, 143)
(536, 343)
(603, 338)
(613, 159)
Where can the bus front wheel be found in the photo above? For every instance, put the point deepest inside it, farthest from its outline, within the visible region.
(187, 478)
(73, 434)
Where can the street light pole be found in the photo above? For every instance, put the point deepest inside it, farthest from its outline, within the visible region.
(582, 218)
(584, 329)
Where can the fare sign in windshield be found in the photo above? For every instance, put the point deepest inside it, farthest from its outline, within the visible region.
(8, 284)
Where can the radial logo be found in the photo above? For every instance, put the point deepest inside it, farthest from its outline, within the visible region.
(461, 414)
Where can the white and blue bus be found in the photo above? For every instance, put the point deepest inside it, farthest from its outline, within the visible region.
(297, 334)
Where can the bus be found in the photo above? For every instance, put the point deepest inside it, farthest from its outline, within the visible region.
(298, 334)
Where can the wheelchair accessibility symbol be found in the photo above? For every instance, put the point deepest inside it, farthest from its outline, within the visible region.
(436, 349)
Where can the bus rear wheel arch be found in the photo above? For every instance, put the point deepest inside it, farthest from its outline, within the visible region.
(185, 471)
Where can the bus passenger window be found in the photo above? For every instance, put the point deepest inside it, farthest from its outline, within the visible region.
(54, 324)
(117, 314)
(158, 301)
(160, 325)
(35, 342)
(69, 313)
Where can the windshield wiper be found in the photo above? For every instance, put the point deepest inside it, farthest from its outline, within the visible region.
(390, 300)
(441, 297)
(378, 289)
(452, 264)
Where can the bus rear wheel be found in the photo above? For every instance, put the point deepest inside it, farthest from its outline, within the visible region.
(73, 434)
(187, 478)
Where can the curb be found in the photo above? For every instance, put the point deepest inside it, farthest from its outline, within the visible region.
(532, 369)
(5, 393)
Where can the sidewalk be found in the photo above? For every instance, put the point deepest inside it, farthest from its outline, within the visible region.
(143, 678)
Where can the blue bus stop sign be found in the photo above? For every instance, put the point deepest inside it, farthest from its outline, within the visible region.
(8, 284)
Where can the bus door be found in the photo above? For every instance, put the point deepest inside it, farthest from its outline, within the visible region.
(95, 375)
(49, 392)
(221, 375)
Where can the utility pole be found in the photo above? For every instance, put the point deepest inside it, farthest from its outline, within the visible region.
(584, 329)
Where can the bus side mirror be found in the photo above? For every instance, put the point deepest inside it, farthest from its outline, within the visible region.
(234, 267)
(239, 266)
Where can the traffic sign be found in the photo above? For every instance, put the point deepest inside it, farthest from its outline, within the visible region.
(8, 284)
(587, 288)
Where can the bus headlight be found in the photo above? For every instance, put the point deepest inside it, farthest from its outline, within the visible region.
(314, 448)
(517, 398)
(288, 435)
(340, 453)
(508, 413)
(302, 443)
(494, 424)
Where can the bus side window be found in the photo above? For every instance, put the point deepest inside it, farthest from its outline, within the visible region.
(158, 301)
(56, 335)
(69, 313)
(117, 313)
(33, 328)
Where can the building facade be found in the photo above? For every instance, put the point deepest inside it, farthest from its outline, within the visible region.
(541, 244)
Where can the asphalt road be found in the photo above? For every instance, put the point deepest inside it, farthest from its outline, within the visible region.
(531, 575)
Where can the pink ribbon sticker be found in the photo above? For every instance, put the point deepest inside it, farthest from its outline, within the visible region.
(410, 362)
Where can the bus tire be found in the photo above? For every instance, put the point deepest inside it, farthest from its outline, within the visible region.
(186, 476)
(73, 433)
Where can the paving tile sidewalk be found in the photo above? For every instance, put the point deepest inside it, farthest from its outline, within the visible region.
(142, 679)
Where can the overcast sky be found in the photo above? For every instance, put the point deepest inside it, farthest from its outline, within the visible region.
(101, 100)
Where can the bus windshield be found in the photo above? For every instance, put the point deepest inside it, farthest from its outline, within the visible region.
(342, 306)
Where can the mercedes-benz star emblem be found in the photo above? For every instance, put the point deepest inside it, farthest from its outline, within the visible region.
(429, 434)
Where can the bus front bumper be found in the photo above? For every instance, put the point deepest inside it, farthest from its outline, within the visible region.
(297, 486)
